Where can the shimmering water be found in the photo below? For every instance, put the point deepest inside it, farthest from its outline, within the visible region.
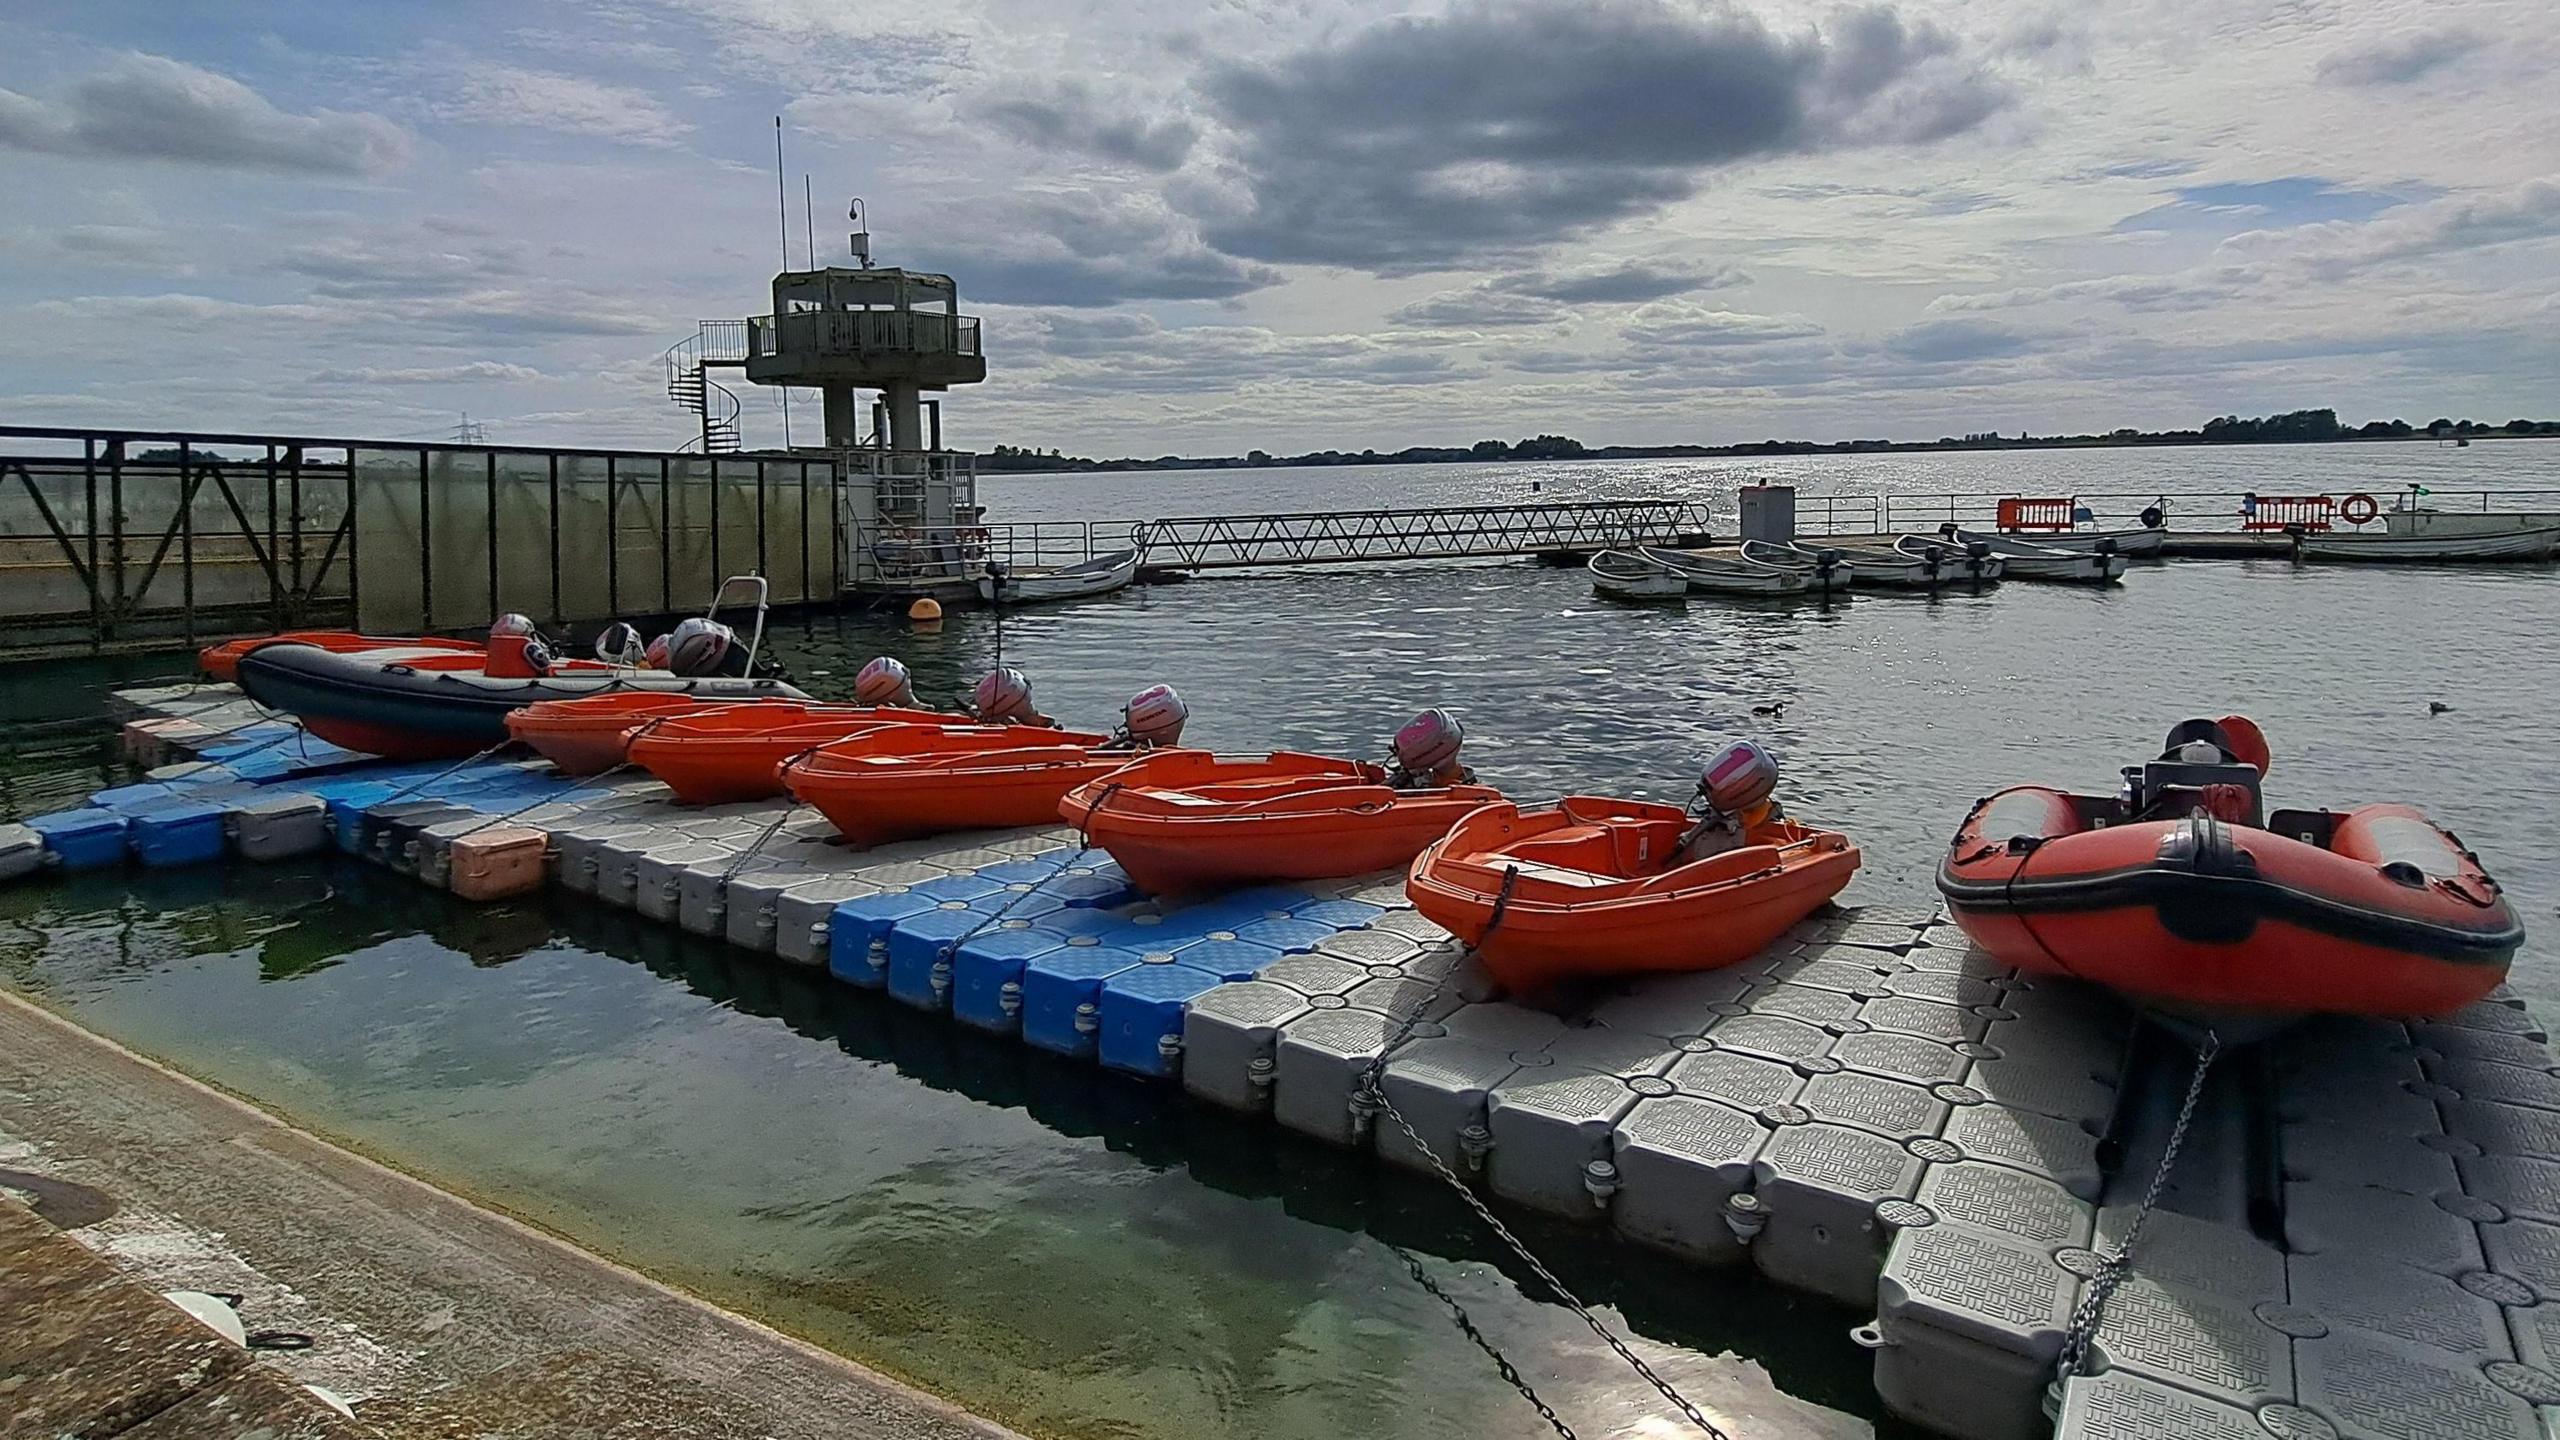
(1087, 1256)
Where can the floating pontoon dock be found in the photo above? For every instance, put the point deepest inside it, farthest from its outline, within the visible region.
(2360, 1235)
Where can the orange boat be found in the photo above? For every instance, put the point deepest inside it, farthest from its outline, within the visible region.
(2176, 892)
(588, 736)
(1593, 887)
(1184, 821)
(731, 753)
(900, 781)
(222, 662)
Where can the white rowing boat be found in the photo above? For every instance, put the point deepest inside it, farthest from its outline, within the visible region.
(2028, 560)
(1946, 562)
(1826, 570)
(1098, 576)
(1625, 575)
(2504, 545)
(1716, 575)
(2140, 543)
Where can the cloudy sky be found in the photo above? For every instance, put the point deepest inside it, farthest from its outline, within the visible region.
(1209, 225)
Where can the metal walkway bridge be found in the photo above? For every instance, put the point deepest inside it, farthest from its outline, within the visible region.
(1561, 530)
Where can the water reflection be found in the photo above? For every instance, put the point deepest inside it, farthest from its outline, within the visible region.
(1083, 1252)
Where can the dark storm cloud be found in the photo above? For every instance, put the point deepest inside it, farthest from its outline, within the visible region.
(1421, 143)
(1071, 118)
(1091, 248)
(2399, 58)
(145, 107)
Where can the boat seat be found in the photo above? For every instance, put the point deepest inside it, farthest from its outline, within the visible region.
(1557, 874)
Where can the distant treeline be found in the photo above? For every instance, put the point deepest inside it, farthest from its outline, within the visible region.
(2298, 426)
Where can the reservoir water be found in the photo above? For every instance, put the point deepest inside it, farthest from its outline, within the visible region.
(1085, 1256)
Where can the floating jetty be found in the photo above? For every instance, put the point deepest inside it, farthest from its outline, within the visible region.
(2359, 1236)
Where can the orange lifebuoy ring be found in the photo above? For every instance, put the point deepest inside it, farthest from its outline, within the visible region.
(2358, 508)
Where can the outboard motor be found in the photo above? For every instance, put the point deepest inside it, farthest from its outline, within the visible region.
(1740, 779)
(655, 656)
(1003, 696)
(1427, 752)
(619, 644)
(2204, 767)
(516, 651)
(884, 682)
(1152, 718)
(702, 646)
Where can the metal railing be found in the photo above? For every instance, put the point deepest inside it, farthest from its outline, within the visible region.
(1888, 512)
(859, 332)
(117, 539)
(1213, 542)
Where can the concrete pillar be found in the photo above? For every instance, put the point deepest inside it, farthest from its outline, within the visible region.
(906, 415)
(844, 426)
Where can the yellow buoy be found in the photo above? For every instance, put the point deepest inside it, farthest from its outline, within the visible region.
(925, 608)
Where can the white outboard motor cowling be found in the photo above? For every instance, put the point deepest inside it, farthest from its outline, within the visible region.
(1429, 742)
(884, 682)
(512, 624)
(700, 647)
(1741, 777)
(1154, 716)
(1002, 694)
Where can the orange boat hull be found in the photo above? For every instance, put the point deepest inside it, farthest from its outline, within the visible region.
(717, 757)
(591, 736)
(896, 784)
(1593, 897)
(2216, 919)
(1186, 822)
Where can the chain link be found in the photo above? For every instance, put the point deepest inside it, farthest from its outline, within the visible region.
(1084, 833)
(2112, 1269)
(1370, 1095)
(1467, 1327)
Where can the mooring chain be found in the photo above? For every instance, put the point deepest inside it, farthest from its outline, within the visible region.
(1084, 833)
(2112, 1269)
(1467, 1326)
(1371, 1095)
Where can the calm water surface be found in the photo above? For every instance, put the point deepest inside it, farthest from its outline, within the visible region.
(1085, 1256)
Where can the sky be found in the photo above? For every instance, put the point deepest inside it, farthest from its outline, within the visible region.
(1215, 225)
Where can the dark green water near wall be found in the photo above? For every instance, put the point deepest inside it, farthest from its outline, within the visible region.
(1083, 1255)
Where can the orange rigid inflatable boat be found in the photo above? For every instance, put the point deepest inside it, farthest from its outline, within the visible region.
(2177, 893)
(901, 781)
(730, 753)
(1591, 887)
(588, 736)
(222, 662)
(1185, 821)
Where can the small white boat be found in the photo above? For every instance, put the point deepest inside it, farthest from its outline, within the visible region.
(2505, 545)
(1625, 575)
(2143, 542)
(1098, 576)
(2028, 560)
(1946, 562)
(1718, 575)
(1824, 570)
(1898, 570)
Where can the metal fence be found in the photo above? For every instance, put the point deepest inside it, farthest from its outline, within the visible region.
(117, 539)
(1883, 513)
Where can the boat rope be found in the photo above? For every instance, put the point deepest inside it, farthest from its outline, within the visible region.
(1369, 1097)
(2092, 1309)
(458, 766)
(1083, 833)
